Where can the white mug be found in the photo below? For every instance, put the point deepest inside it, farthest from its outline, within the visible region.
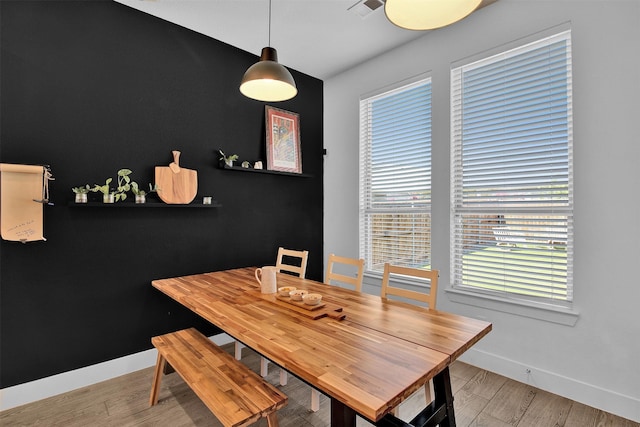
(266, 276)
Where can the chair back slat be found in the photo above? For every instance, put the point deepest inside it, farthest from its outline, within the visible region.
(355, 281)
(281, 264)
(431, 275)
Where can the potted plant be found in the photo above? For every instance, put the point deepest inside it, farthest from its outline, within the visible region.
(228, 160)
(109, 196)
(141, 195)
(81, 193)
(124, 184)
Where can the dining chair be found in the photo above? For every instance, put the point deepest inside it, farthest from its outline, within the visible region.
(299, 268)
(285, 263)
(353, 265)
(343, 276)
(428, 298)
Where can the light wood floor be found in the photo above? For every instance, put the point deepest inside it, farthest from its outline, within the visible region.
(481, 399)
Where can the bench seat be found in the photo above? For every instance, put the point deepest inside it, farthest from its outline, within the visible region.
(236, 395)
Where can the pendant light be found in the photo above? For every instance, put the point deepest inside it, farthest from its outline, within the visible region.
(427, 14)
(267, 80)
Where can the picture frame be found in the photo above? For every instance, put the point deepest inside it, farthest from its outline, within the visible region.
(283, 140)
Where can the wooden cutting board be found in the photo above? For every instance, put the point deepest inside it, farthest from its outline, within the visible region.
(176, 185)
(312, 311)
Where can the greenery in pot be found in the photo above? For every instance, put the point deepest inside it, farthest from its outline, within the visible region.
(228, 159)
(135, 189)
(81, 193)
(104, 189)
(123, 185)
(81, 190)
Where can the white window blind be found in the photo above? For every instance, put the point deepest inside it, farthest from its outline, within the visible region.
(512, 174)
(395, 177)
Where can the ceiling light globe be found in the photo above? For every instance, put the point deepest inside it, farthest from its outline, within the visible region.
(427, 14)
(267, 80)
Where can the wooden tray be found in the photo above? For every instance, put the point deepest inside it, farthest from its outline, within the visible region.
(312, 311)
(301, 303)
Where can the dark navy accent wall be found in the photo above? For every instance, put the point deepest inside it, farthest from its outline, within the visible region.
(90, 87)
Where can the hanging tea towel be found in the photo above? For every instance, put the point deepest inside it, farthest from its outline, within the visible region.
(24, 190)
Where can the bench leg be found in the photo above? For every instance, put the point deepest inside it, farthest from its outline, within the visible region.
(264, 367)
(272, 419)
(157, 379)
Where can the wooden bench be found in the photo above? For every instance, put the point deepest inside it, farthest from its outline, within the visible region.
(236, 395)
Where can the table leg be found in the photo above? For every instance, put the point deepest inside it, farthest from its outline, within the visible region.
(444, 397)
(342, 415)
(437, 413)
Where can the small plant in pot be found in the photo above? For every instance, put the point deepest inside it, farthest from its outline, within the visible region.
(228, 160)
(81, 193)
(124, 184)
(109, 196)
(140, 194)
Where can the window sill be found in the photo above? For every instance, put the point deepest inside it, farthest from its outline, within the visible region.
(546, 312)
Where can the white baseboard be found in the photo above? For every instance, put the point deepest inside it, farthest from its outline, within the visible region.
(22, 394)
(607, 400)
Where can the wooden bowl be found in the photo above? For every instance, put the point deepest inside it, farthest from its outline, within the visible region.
(284, 291)
(297, 294)
(312, 299)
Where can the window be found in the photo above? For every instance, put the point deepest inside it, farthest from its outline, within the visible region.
(395, 177)
(512, 177)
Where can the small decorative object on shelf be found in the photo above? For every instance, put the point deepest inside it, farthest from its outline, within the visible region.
(206, 200)
(81, 193)
(246, 164)
(105, 190)
(228, 160)
(109, 196)
(140, 194)
(257, 165)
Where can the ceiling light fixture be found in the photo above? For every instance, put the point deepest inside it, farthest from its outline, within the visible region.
(267, 80)
(427, 14)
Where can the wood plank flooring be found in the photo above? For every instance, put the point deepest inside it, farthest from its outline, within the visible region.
(482, 398)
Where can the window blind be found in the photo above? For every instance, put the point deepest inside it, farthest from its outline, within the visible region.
(512, 173)
(395, 177)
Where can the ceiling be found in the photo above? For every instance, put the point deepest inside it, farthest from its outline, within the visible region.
(317, 37)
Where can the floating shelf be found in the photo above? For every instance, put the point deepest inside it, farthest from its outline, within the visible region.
(270, 172)
(213, 204)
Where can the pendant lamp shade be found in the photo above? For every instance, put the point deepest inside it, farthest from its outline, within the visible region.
(427, 14)
(267, 80)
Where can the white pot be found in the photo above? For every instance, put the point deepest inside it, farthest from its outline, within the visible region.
(81, 197)
(141, 198)
(108, 198)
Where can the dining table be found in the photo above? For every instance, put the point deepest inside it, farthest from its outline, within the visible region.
(366, 353)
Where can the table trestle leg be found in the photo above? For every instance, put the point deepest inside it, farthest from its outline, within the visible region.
(437, 413)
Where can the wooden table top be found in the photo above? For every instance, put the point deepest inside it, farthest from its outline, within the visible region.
(378, 355)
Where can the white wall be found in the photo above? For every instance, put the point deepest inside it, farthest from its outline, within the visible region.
(596, 361)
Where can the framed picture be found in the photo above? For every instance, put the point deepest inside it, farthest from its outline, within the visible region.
(283, 140)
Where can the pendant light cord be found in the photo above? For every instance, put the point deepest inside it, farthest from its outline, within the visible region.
(269, 44)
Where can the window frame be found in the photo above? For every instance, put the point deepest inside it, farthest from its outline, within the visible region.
(365, 170)
(559, 311)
